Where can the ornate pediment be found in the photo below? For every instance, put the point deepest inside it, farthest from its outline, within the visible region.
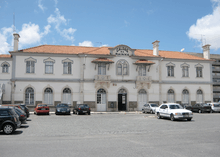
(198, 65)
(184, 65)
(49, 60)
(67, 60)
(122, 50)
(30, 59)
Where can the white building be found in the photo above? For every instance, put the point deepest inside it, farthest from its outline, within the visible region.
(106, 78)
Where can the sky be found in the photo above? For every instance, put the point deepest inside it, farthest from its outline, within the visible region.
(179, 25)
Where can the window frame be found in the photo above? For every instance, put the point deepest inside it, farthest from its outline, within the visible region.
(101, 68)
(122, 68)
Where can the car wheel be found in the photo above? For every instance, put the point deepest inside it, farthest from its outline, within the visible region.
(172, 117)
(158, 116)
(189, 119)
(151, 111)
(200, 111)
(8, 128)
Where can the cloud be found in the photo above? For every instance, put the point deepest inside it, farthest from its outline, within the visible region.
(40, 5)
(5, 35)
(59, 20)
(86, 43)
(208, 28)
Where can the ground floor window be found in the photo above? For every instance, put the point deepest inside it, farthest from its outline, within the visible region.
(48, 96)
(170, 98)
(29, 96)
(142, 99)
(67, 96)
(199, 97)
(185, 96)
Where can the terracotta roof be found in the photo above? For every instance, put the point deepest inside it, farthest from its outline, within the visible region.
(60, 49)
(103, 60)
(143, 61)
(5, 56)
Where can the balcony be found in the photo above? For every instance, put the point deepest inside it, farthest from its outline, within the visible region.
(216, 89)
(102, 80)
(142, 81)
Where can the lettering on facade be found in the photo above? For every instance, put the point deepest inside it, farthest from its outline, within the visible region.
(122, 51)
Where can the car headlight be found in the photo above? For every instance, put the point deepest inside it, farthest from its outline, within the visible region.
(58, 110)
(191, 113)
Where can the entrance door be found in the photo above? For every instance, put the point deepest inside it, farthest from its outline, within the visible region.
(122, 99)
(101, 100)
(142, 94)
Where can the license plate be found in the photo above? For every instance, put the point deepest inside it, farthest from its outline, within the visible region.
(43, 109)
(63, 111)
(84, 111)
(186, 116)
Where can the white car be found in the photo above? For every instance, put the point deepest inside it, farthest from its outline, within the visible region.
(215, 107)
(173, 111)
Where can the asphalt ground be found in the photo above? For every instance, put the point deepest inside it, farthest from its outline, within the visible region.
(122, 134)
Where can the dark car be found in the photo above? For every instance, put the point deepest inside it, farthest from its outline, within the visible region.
(187, 106)
(62, 109)
(21, 114)
(25, 109)
(9, 120)
(81, 109)
(201, 107)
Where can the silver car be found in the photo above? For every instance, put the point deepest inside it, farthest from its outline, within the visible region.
(215, 107)
(149, 108)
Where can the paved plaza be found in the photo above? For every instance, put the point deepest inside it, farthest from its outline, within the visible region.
(120, 134)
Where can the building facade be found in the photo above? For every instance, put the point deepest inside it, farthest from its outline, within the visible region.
(106, 78)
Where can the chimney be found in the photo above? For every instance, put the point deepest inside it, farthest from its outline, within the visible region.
(156, 48)
(206, 51)
(16, 40)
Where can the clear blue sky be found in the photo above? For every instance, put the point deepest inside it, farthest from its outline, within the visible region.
(176, 24)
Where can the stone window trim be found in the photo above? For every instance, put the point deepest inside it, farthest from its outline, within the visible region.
(48, 60)
(122, 64)
(5, 67)
(199, 65)
(30, 59)
(170, 69)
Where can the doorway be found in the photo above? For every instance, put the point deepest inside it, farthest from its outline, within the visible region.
(122, 100)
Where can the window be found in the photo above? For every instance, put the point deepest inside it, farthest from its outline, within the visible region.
(122, 67)
(29, 96)
(170, 98)
(49, 67)
(30, 66)
(199, 97)
(67, 69)
(185, 96)
(170, 71)
(101, 69)
(5, 68)
(142, 70)
(185, 71)
(67, 96)
(101, 96)
(48, 96)
(198, 71)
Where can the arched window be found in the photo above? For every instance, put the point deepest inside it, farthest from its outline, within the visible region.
(48, 96)
(171, 97)
(199, 97)
(185, 96)
(67, 96)
(122, 67)
(29, 96)
(142, 99)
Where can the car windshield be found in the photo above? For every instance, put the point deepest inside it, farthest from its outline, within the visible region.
(216, 105)
(154, 105)
(62, 105)
(174, 106)
(205, 104)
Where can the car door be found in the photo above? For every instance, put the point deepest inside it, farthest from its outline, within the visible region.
(195, 108)
(161, 110)
(147, 108)
(166, 113)
(144, 107)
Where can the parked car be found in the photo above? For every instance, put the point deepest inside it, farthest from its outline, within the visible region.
(21, 114)
(9, 120)
(173, 111)
(81, 109)
(62, 109)
(26, 110)
(187, 106)
(42, 109)
(201, 107)
(215, 107)
(149, 108)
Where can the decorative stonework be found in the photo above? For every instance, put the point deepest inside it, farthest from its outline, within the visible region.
(143, 81)
(122, 50)
(102, 80)
(30, 59)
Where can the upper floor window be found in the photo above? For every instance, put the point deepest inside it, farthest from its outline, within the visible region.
(5, 67)
(142, 70)
(101, 69)
(170, 69)
(122, 67)
(30, 67)
(49, 65)
(199, 68)
(185, 71)
(198, 71)
(67, 66)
